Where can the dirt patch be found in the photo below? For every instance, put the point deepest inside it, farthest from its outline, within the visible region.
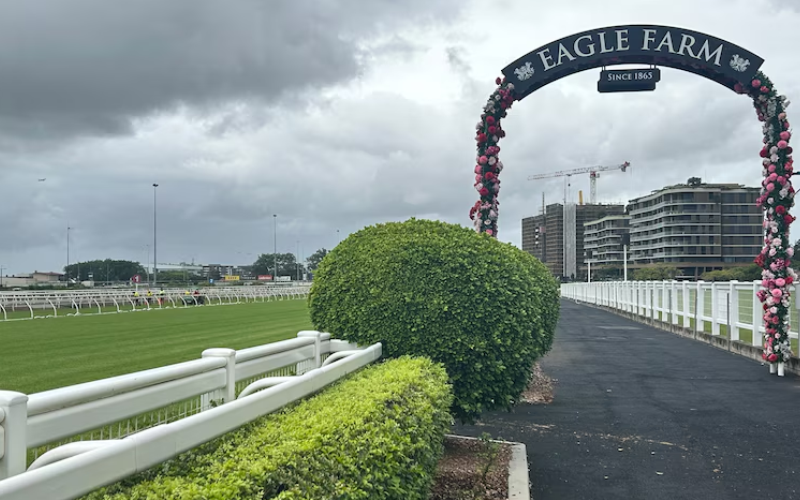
(540, 388)
(472, 469)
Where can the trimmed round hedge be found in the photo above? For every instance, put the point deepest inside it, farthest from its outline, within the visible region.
(484, 309)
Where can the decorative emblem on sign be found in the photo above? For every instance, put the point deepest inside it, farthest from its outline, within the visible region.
(740, 64)
(524, 72)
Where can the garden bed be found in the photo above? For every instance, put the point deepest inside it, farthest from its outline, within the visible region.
(481, 469)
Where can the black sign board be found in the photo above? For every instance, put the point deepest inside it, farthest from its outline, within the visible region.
(628, 80)
(665, 46)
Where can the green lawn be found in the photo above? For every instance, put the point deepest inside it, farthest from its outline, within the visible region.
(42, 354)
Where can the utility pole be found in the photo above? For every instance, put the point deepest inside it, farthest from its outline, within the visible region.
(155, 258)
(275, 242)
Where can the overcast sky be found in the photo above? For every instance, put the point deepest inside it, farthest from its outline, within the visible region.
(334, 117)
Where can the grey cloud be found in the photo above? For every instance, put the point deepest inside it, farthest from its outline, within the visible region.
(90, 66)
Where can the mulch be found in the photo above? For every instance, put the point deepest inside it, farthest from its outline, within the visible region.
(460, 472)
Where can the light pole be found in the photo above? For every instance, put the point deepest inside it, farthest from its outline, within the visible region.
(338, 238)
(66, 269)
(1, 276)
(297, 261)
(275, 241)
(155, 258)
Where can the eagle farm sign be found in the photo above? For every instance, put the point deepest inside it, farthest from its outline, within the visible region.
(713, 58)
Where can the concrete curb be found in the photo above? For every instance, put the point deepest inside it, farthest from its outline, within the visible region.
(518, 484)
(720, 342)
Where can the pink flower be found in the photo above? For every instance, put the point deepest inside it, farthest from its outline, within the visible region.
(773, 310)
(772, 358)
(772, 176)
(785, 135)
(482, 160)
(781, 116)
(783, 144)
(772, 252)
(781, 180)
(780, 282)
(770, 187)
(477, 169)
(764, 89)
(489, 232)
(777, 293)
(765, 283)
(771, 168)
(756, 83)
(790, 252)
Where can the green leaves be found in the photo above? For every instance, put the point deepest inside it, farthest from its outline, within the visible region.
(376, 435)
(443, 291)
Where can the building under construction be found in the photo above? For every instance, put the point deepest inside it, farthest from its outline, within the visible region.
(556, 236)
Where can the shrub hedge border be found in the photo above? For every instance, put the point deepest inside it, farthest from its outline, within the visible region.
(377, 434)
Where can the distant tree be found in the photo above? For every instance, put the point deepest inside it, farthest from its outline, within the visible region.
(743, 273)
(315, 258)
(287, 265)
(658, 272)
(104, 270)
(796, 247)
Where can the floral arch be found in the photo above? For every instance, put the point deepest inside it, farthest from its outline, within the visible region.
(723, 62)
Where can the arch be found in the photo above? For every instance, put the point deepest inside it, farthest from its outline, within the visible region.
(718, 60)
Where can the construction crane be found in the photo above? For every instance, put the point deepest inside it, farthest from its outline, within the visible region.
(594, 173)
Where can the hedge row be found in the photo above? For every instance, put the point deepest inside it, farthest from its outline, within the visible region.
(378, 434)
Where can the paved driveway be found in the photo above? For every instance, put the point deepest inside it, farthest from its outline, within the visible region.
(640, 413)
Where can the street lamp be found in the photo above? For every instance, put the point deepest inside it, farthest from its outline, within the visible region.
(155, 258)
(66, 269)
(275, 241)
(297, 261)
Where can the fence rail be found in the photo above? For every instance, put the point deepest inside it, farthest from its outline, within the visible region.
(730, 309)
(46, 304)
(226, 389)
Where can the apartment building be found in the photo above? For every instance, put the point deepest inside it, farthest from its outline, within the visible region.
(603, 240)
(560, 242)
(696, 227)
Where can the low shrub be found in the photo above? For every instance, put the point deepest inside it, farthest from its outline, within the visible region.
(376, 435)
(484, 309)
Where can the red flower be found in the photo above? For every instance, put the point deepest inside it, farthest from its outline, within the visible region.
(489, 176)
(772, 357)
(780, 209)
(492, 129)
(481, 137)
(498, 81)
(764, 89)
(483, 191)
(764, 153)
(490, 120)
(789, 280)
(788, 219)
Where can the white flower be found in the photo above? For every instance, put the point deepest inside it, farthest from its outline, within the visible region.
(492, 160)
(510, 86)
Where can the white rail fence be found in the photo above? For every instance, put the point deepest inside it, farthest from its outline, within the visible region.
(719, 308)
(66, 442)
(46, 304)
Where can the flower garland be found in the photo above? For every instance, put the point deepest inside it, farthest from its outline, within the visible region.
(777, 198)
(489, 132)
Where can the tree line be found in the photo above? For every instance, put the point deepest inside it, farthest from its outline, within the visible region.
(110, 270)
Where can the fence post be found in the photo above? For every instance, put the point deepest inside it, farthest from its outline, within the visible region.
(317, 336)
(714, 309)
(685, 295)
(757, 317)
(229, 355)
(733, 313)
(700, 308)
(13, 433)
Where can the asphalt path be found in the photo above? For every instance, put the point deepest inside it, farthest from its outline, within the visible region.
(640, 413)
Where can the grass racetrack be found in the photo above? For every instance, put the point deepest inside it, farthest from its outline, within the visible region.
(43, 354)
